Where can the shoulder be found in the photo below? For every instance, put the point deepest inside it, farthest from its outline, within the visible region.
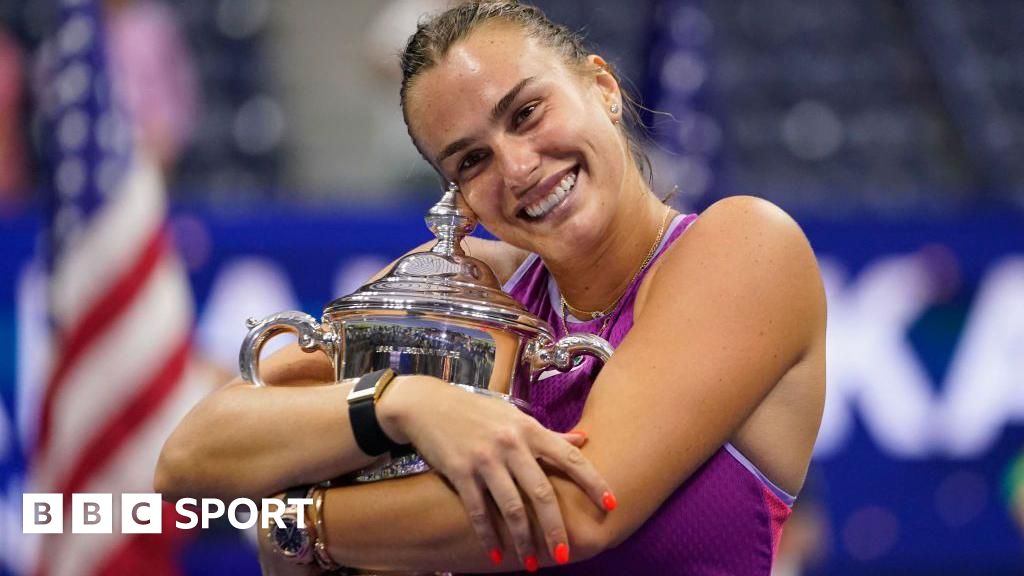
(503, 258)
(746, 247)
(746, 229)
(750, 221)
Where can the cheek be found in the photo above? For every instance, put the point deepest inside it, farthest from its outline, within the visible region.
(483, 199)
(577, 132)
(560, 131)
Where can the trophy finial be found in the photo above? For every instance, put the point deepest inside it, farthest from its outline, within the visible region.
(451, 221)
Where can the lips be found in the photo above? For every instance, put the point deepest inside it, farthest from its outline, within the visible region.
(548, 194)
(544, 205)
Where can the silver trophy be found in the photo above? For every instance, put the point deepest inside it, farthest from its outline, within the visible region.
(439, 313)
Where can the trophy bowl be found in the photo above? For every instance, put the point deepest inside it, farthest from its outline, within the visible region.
(439, 313)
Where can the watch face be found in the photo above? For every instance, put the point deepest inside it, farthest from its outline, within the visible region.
(290, 540)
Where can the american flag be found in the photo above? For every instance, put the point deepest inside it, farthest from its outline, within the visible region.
(120, 307)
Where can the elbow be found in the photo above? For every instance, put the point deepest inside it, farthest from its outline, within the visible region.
(591, 530)
(171, 478)
(588, 539)
(185, 465)
(163, 482)
(191, 460)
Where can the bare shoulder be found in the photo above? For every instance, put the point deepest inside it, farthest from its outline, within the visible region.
(503, 258)
(738, 217)
(743, 247)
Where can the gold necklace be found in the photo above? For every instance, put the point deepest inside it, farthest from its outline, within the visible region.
(566, 307)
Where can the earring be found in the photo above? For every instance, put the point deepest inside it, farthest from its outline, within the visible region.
(614, 108)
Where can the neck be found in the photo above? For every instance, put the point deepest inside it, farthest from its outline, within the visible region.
(596, 279)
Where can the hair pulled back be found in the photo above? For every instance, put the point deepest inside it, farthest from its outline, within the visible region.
(436, 35)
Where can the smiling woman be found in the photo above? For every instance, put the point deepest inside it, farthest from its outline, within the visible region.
(686, 449)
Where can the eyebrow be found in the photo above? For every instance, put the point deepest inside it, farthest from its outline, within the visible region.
(497, 112)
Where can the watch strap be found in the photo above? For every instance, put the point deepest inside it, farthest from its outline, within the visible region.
(362, 414)
(297, 492)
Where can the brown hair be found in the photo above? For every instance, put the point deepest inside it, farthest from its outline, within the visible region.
(435, 36)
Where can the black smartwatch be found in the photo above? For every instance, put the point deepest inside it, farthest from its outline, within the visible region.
(362, 413)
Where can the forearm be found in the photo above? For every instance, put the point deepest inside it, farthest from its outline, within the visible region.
(248, 441)
(419, 523)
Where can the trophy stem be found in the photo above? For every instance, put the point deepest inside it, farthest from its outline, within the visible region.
(450, 220)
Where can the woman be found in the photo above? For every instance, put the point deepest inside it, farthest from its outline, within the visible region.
(698, 431)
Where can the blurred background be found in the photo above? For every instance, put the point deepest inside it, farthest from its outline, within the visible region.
(893, 131)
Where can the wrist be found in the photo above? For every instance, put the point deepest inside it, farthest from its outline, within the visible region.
(392, 411)
(397, 404)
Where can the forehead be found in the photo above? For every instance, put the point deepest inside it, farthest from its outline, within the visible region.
(456, 95)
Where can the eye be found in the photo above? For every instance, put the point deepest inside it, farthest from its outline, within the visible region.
(470, 160)
(524, 114)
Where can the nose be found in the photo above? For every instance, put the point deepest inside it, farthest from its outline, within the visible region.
(518, 162)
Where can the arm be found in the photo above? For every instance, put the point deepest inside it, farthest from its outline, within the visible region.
(266, 438)
(750, 316)
(701, 357)
(272, 438)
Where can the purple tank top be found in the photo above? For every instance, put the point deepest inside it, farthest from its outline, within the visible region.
(725, 519)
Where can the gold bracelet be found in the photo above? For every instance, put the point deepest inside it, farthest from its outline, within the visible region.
(320, 553)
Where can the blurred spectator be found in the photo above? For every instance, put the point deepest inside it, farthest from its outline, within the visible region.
(390, 30)
(154, 74)
(386, 36)
(13, 154)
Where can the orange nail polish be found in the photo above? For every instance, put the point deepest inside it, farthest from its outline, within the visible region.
(579, 432)
(495, 556)
(562, 553)
(531, 563)
(608, 501)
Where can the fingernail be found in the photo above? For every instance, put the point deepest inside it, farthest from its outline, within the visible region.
(562, 553)
(579, 432)
(609, 502)
(495, 556)
(531, 563)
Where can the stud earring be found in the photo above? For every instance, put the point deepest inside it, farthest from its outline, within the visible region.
(614, 109)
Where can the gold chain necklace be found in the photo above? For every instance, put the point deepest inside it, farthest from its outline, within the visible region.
(566, 307)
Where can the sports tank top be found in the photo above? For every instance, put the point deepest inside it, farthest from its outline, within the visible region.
(726, 518)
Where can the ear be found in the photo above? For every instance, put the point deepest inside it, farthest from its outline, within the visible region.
(607, 84)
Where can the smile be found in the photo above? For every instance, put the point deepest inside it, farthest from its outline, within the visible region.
(542, 207)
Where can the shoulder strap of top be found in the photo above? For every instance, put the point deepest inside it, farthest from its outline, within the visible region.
(678, 225)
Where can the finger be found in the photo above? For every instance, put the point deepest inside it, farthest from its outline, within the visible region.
(472, 496)
(535, 484)
(577, 439)
(569, 459)
(506, 495)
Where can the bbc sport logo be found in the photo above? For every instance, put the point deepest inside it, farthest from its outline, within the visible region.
(142, 513)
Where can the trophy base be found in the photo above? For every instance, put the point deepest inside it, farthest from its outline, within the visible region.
(405, 465)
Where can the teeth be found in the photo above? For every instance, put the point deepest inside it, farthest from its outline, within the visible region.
(542, 206)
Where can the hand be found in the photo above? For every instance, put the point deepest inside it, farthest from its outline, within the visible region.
(483, 444)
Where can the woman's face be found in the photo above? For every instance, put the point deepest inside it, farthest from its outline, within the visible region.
(530, 142)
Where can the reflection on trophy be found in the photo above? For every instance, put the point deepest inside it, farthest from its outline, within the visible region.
(439, 313)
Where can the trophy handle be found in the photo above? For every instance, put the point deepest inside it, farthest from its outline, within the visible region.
(312, 337)
(541, 355)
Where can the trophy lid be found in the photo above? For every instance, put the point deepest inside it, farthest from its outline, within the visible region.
(444, 280)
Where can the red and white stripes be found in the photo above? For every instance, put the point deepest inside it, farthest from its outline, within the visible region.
(120, 377)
